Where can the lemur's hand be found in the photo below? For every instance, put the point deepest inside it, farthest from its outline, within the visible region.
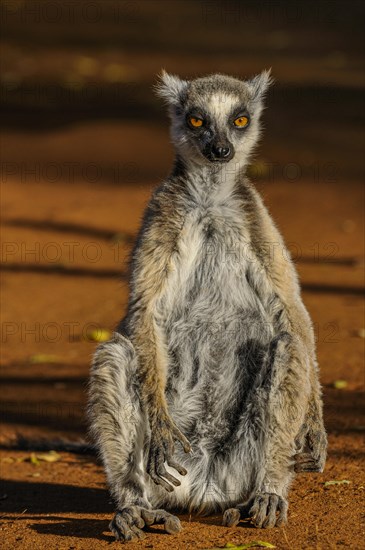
(163, 434)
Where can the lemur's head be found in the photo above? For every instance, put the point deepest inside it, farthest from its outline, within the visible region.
(216, 118)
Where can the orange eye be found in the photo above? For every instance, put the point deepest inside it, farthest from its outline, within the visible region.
(196, 122)
(241, 121)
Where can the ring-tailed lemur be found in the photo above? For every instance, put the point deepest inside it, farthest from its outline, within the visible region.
(216, 350)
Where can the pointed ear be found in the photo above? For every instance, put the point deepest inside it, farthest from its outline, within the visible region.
(259, 84)
(171, 88)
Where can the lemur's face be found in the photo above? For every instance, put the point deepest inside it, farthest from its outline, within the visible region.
(214, 119)
(215, 125)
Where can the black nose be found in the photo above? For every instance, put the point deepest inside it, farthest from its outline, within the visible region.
(221, 152)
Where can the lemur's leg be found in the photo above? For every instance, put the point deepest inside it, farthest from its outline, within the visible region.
(279, 402)
(119, 426)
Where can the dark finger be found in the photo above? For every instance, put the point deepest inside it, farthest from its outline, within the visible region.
(178, 436)
(137, 532)
(171, 523)
(270, 520)
(231, 517)
(151, 469)
(122, 529)
(162, 472)
(283, 512)
(261, 513)
(173, 464)
(134, 517)
(255, 507)
(160, 481)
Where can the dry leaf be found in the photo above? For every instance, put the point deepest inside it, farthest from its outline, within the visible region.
(33, 459)
(99, 335)
(44, 358)
(252, 544)
(337, 482)
(51, 456)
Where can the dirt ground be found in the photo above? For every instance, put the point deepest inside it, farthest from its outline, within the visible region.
(64, 504)
(77, 169)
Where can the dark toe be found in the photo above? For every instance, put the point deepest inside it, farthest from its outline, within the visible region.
(231, 517)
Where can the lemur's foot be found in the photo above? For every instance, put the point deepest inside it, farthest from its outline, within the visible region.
(269, 510)
(128, 523)
(313, 457)
(163, 434)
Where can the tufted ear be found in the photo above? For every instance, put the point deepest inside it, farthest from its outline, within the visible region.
(171, 88)
(259, 84)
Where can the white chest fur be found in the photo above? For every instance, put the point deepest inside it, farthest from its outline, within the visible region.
(213, 249)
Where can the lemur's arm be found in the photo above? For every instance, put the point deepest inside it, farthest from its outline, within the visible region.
(152, 265)
(279, 269)
(274, 257)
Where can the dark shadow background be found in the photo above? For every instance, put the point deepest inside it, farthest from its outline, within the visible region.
(67, 62)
